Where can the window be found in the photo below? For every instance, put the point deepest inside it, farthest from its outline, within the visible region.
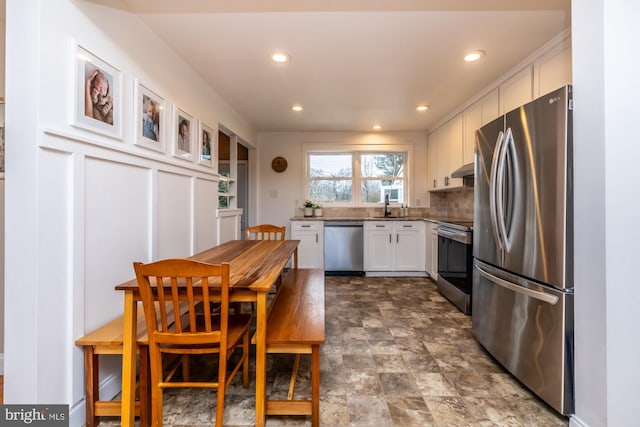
(331, 177)
(356, 178)
(379, 174)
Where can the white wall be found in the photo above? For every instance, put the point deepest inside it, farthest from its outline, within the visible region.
(2, 191)
(81, 206)
(279, 194)
(607, 199)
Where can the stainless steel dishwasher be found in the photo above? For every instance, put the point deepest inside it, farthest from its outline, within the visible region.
(343, 248)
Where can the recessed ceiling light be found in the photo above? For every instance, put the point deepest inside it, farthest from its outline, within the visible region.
(474, 56)
(422, 107)
(280, 57)
(297, 107)
(376, 127)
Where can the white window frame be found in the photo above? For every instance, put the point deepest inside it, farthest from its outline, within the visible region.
(356, 150)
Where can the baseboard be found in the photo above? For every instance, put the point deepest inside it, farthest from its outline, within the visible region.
(577, 422)
(109, 388)
(396, 274)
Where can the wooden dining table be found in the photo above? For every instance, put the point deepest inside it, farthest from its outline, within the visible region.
(254, 267)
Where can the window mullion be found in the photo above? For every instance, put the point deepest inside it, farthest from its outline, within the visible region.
(356, 179)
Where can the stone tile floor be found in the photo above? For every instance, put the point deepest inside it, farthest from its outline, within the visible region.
(396, 354)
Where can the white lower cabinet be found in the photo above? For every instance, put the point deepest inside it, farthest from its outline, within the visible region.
(311, 247)
(394, 246)
(378, 246)
(432, 250)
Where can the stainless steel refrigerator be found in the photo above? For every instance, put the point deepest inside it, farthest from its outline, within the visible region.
(523, 245)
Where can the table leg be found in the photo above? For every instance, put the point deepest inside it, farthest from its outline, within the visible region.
(261, 357)
(129, 360)
(315, 386)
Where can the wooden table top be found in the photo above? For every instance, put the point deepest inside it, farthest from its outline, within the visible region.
(253, 264)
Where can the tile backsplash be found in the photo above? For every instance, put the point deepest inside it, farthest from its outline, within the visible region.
(453, 204)
(456, 204)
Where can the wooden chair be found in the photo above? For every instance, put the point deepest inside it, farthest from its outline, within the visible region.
(198, 331)
(265, 232)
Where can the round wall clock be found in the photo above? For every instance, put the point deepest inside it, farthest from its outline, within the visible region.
(279, 164)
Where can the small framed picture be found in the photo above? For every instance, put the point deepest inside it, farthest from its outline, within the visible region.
(206, 152)
(183, 134)
(149, 118)
(98, 101)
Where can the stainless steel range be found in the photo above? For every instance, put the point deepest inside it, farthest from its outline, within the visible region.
(455, 260)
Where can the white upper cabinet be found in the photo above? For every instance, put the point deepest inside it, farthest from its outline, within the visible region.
(477, 115)
(490, 106)
(553, 70)
(444, 155)
(472, 122)
(455, 145)
(516, 91)
(432, 161)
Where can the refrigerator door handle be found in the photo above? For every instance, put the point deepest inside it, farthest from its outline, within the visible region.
(493, 189)
(507, 148)
(551, 299)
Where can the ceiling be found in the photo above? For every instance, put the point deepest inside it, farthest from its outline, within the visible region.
(352, 63)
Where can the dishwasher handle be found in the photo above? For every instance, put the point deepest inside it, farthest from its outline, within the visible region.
(343, 224)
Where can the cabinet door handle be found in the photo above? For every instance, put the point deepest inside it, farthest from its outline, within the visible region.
(316, 237)
(305, 226)
(397, 238)
(389, 237)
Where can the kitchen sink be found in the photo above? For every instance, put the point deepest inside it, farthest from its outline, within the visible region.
(388, 216)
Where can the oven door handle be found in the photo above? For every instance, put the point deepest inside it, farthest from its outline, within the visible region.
(451, 235)
(551, 299)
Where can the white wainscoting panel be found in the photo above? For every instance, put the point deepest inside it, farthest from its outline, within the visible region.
(206, 204)
(55, 282)
(229, 225)
(175, 213)
(117, 232)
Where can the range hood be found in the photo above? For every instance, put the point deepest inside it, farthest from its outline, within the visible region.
(464, 171)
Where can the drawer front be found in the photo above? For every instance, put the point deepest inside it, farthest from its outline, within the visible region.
(307, 225)
(410, 225)
(378, 225)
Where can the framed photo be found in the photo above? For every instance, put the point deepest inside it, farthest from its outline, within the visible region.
(149, 118)
(183, 134)
(206, 147)
(98, 101)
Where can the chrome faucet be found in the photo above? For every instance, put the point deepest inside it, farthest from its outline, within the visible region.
(387, 211)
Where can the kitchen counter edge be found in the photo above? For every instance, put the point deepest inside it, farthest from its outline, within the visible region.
(402, 218)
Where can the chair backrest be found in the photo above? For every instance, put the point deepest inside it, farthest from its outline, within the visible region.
(166, 286)
(265, 232)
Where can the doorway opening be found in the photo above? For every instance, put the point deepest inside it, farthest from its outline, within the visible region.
(233, 168)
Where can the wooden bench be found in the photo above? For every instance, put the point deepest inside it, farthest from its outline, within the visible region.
(295, 325)
(108, 339)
